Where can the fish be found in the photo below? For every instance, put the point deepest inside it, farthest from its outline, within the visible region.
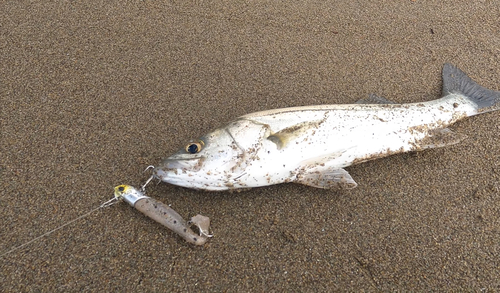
(312, 145)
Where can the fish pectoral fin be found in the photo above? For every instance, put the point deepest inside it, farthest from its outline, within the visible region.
(277, 140)
(439, 138)
(327, 178)
(293, 132)
(374, 99)
(284, 136)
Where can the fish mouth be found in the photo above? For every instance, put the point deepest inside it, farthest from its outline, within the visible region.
(176, 171)
(181, 165)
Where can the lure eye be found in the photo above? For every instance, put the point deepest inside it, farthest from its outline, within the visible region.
(121, 188)
(194, 147)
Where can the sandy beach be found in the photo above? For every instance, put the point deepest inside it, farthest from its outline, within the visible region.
(93, 92)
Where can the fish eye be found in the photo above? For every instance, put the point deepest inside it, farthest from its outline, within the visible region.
(194, 147)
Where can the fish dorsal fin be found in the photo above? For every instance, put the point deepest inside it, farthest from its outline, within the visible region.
(374, 99)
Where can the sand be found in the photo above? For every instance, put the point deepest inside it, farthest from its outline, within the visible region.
(94, 92)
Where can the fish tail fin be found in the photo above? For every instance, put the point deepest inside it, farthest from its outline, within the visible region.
(456, 81)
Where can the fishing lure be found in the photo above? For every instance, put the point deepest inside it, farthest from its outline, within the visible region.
(165, 215)
(150, 207)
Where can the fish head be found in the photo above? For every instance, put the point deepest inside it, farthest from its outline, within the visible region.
(213, 161)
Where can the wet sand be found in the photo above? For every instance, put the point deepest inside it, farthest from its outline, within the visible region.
(93, 93)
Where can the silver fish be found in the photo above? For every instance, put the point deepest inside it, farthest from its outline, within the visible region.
(311, 145)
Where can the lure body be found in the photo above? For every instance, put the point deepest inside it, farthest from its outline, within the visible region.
(165, 215)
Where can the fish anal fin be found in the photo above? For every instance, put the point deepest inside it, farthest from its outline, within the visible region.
(439, 138)
(326, 178)
(374, 99)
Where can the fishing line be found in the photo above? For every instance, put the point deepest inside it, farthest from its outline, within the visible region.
(104, 205)
(153, 209)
